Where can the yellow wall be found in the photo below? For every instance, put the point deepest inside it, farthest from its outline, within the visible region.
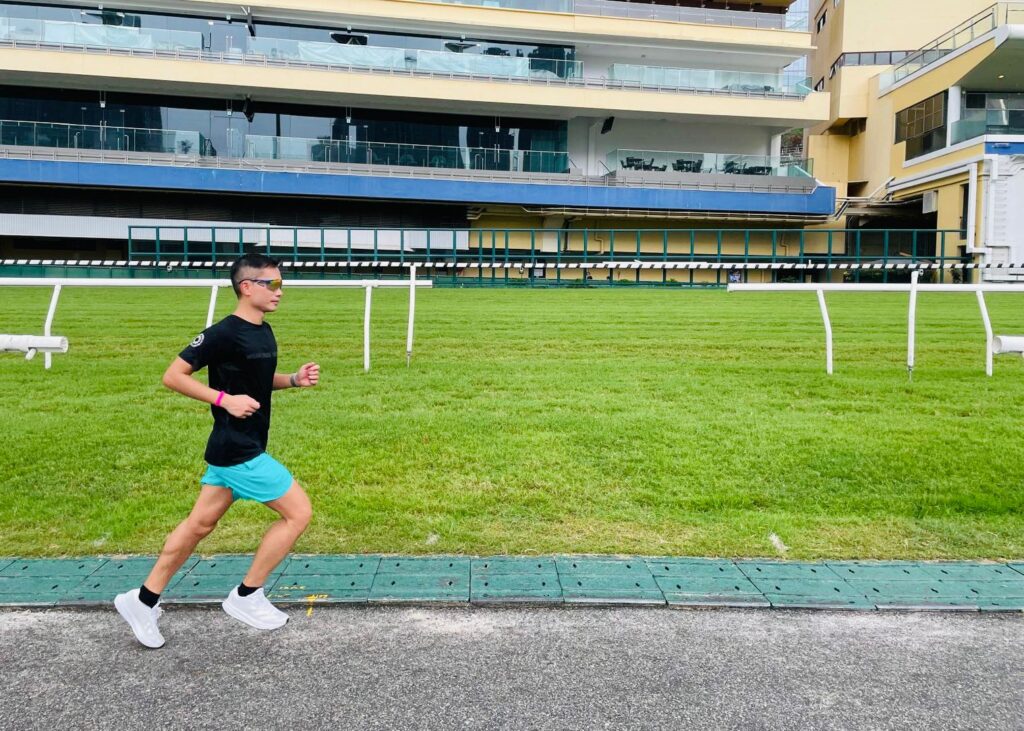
(84, 70)
(453, 18)
(884, 25)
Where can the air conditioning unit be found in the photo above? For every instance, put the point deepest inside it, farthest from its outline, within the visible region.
(930, 202)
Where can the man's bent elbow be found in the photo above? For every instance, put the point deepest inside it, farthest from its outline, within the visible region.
(170, 378)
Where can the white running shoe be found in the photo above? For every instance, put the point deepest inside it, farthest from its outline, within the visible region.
(255, 610)
(140, 618)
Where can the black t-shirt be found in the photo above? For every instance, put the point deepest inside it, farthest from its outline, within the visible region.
(242, 358)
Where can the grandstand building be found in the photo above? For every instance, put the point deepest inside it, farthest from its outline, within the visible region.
(405, 116)
(926, 124)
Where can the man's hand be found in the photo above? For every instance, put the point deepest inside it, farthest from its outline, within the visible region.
(241, 406)
(308, 375)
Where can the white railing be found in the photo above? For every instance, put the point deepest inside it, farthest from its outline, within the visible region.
(214, 285)
(1006, 344)
(493, 74)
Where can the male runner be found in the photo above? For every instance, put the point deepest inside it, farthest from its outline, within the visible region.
(241, 353)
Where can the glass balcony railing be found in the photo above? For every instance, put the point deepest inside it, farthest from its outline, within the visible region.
(102, 137)
(1004, 13)
(964, 130)
(660, 161)
(99, 36)
(794, 20)
(733, 81)
(408, 59)
(405, 155)
(547, 6)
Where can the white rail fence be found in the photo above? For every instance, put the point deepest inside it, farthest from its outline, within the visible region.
(49, 344)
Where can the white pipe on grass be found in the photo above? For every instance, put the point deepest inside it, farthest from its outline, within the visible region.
(1008, 344)
(32, 344)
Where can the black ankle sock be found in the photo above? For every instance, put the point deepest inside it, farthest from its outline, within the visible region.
(244, 590)
(147, 597)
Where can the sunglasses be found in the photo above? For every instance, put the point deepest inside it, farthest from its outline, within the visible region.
(272, 284)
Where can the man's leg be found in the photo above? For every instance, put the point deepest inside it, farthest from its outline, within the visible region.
(295, 512)
(210, 507)
(139, 607)
(247, 602)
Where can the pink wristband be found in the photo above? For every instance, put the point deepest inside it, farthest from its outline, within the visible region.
(220, 397)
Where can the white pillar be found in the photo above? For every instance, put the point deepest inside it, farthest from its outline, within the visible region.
(953, 106)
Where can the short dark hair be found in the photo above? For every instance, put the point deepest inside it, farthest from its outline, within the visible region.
(245, 266)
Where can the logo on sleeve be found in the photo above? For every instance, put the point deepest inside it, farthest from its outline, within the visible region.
(197, 342)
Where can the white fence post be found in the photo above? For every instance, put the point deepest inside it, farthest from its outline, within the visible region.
(988, 332)
(828, 331)
(48, 357)
(412, 314)
(366, 329)
(213, 305)
(912, 324)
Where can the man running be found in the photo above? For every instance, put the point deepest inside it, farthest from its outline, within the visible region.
(241, 353)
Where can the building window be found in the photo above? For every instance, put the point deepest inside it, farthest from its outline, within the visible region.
(923, 126)
(870, 58)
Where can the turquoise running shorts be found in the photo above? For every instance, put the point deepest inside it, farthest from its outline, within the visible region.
(262, 479)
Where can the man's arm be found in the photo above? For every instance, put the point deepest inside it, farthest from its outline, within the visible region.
(308, 375)
(178, 377)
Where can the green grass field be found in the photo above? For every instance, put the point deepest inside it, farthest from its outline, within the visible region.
(624, 421)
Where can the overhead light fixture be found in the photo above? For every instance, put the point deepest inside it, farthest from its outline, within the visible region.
(348, 115)
(349, 38)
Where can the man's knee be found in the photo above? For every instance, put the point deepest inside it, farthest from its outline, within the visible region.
(301, 517)
(200, 527)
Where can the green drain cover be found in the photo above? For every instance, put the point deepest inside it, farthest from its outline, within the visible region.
(327, 589)
(507, 565)
(540, 587)
(639, 589)
(53, 567)
(602, 567)
(332, 565)
(778, 570)
(805, 587)
(695, 568)
(394, 587)
(879, 570)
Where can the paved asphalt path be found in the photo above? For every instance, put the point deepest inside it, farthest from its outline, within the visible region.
(515, 668)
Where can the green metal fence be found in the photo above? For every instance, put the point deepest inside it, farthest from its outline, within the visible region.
(507, 257)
